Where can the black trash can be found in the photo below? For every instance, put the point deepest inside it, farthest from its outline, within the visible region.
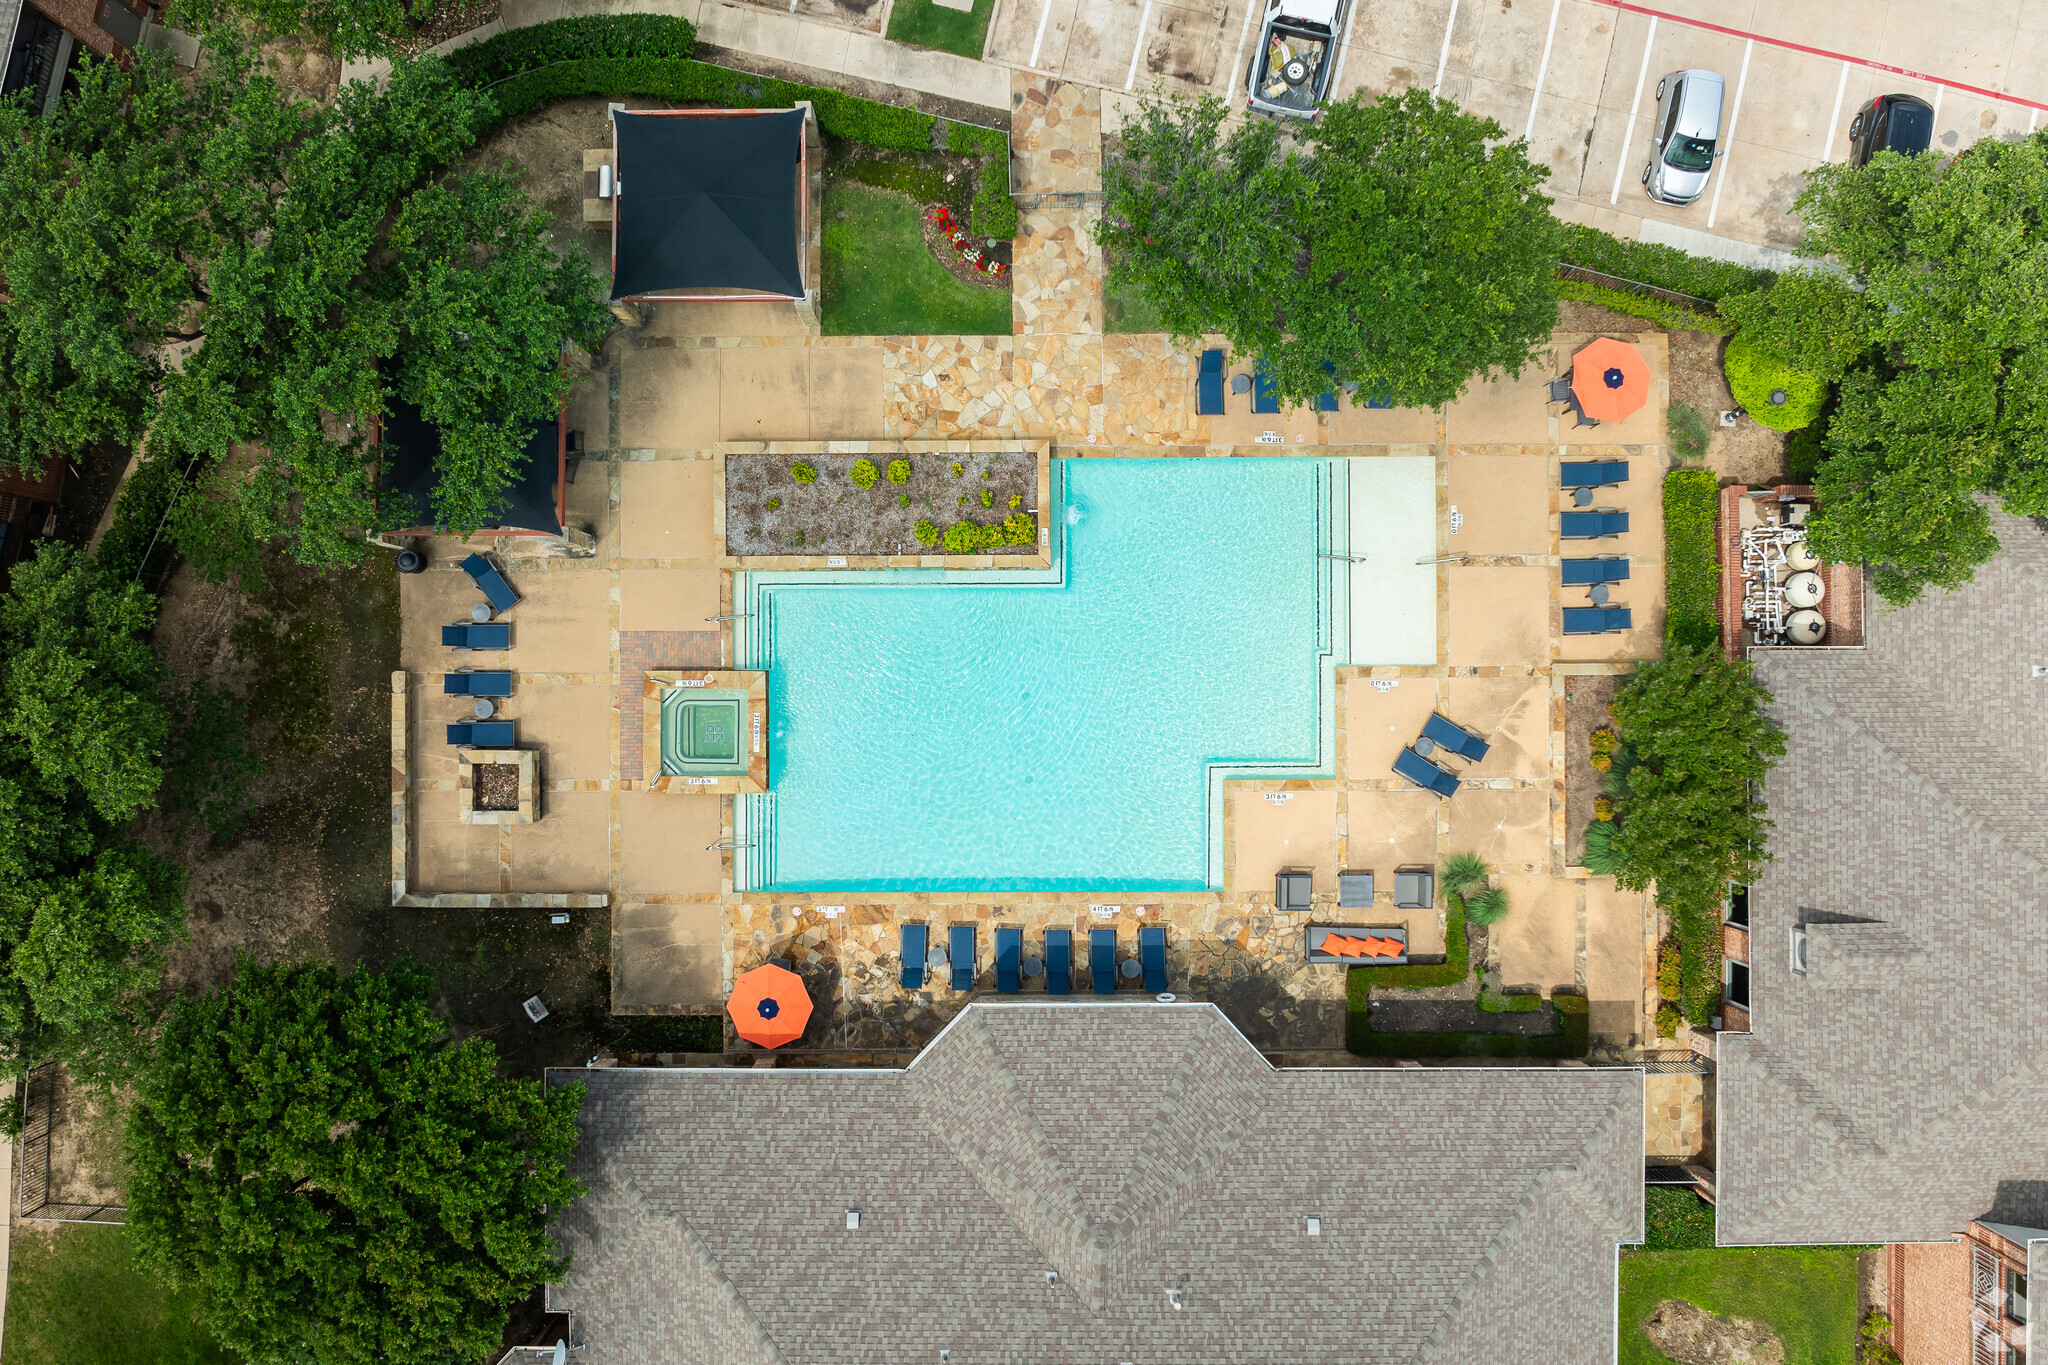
(411, 561)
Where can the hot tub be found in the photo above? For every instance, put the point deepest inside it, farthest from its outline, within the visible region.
(701, 732)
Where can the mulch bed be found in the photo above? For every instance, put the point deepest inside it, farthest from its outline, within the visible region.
(834, 517)
(450, 18)
(944, 253)
(1458, 1016)
(497, 786)
(1585, 710)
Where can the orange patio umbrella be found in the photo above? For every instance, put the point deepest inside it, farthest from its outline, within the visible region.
(769, 1006)
(1611, 380)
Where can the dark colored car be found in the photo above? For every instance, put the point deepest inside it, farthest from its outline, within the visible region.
(1891, 123)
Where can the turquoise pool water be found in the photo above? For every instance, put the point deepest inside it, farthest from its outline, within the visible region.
(944, 731)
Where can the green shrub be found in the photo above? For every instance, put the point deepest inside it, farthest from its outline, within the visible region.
(1676, 1219)
(988, 498)
(1672, 317)
(958, 469)
(1455, 967)
(1600, 857)
(586, 38)
(1689, 434)
(1666, 267)
(899, 471)
(1752, 377)
(1521, 1002)
(995, 213)
(803, 471)
(865, 474)
(1874, 1340)
(963, 538)
(141, 510)
(903, 500)
(1692, 559)
(926, 533)
(1016, 501)
(1804, 452)
(1667, 1021)
(1564, 1002)
(1463, 871)
(1020, 528)
(1573, 1036)
(1488, 905)
(1668, 980)
(775, 504)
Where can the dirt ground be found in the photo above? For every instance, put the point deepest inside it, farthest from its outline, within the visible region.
(1585, 710)
(1747, 452)
(834, 517)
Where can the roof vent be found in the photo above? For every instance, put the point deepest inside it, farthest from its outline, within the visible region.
(1173, 1297)
(944, 1355)
(852, 1218)
(2041, 670)
(1052, 1277)
(1315, 1225)
(1799, 950)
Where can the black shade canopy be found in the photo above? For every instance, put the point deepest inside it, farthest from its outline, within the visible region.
(413, 449)
(708, 203)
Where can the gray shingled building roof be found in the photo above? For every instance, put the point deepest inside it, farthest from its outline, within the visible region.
(1139, 1150)
(1896, 1091)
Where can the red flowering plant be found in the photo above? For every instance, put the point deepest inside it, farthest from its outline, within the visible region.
(962, 240)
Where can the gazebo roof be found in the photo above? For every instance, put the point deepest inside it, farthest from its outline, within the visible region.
(411, 473)
(707, 202)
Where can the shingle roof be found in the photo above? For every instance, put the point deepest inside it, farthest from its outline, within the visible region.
(1136, 1149)
(1896, 1091)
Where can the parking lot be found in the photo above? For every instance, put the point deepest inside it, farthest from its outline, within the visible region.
(1578, 78)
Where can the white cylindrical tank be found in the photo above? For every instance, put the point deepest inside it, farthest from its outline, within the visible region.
(1804, 590)
(1800, 557)
(1805, 627)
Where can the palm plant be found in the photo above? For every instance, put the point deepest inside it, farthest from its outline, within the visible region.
(1601, 859)
(1489, 905)
(1463, 871)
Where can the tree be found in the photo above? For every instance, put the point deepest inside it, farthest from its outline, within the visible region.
(84, 910)
(1810, 320)
(333, 1179)
(1401, 250)
(352, 28)
(236, 270)
(1951, 253)
(1692, 817)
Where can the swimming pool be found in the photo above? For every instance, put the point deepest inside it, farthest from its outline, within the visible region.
(1061, 729)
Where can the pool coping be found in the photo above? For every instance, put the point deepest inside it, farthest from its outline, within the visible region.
(754, 684)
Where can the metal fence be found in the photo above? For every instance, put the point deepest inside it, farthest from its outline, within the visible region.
(32, 1170)
(1584, 275)
(1669, 1061)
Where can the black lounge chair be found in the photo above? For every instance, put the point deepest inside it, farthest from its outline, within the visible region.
(1414, 888)
(1591, 525)
(913, 943)
(481, 734)
(1009, 960)
(478, 635)
(1152, 953)
(1424, 773)
(1592, 473)
(1102, 960)
(1354, 890)
(490, 583)
(1561, 391)
(960, 943)
(1584, 573)
(1596, 620)
(1209, 385)
(469, 682)
(1455, 739)
(1059, 962)
(1293, 890)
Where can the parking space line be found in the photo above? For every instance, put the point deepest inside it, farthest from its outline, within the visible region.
(2032, 114)
(1138, 50)
(1044, 13)
(1542, 69)
(1835, 119)
(1443, 54)
(1938, 93)
(1628, 130)
(1251, 7)
(1734, 115)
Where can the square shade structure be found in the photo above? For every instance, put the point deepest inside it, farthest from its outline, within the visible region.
(708, 200)
(409, 473)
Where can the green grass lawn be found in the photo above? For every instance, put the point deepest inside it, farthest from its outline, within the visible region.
(924, 24)
(1806, 1294)
(78, 1297)
(1128, 310)
(881, 281)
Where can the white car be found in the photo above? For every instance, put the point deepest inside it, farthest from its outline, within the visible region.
(1682, 138)
(1290, 71)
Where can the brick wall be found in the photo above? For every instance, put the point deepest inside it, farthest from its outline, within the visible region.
(1930, 1294)
(1735, 943)
(80, 17)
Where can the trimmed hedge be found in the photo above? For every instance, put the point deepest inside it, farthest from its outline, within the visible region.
(1455, 967)
(1572, 1039)
(1670, 316)
(1692, 560)
(613, 36)
(1664, 266)
(995, 213)
(1752, 376)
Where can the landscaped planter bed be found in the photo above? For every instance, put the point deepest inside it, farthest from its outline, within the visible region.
(834, 516)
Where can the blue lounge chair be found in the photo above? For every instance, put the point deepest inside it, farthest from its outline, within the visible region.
(1379, 402)
(490, 583)
(1591, 525)
(1009, 960)
(1102, 960)
(912, 944)
(478, 635)
(1595, 620)
(1265, 397)
(1059, 962)
(1424, 773)
(1455, 738)
(1584, 573)
(1152, 953)
(1209, 385)
(469, 682)
(482, 734)
(1327, 402)
(1592, 473)
(960, 944)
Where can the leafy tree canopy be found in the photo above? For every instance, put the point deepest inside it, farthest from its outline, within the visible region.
(1406, 247)
(352, 28)
(84, 911)
(1952, 398)
(229, 268)
(335, 1181)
